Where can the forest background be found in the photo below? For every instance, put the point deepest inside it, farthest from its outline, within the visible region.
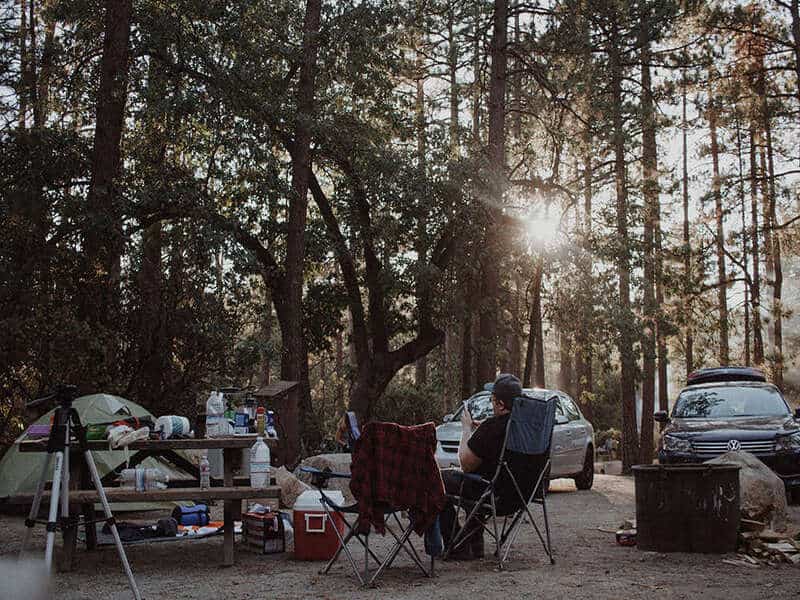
(388, 201)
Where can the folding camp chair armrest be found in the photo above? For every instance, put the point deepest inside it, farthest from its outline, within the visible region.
(324, 474)
(476, 478)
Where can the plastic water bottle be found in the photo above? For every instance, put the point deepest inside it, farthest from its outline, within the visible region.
(205, 472)
(259, 464)
(271, 432)
(215, 410)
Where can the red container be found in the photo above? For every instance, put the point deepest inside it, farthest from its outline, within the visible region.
(314, 534)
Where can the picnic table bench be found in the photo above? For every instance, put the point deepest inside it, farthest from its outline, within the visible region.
(86, 496)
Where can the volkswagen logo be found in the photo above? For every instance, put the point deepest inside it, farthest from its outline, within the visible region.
(734, 445)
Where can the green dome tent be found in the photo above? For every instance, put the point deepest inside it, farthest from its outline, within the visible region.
(19, 471)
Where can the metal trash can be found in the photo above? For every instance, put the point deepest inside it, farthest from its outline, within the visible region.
(687, 508)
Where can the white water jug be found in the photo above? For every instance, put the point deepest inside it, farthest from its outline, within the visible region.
(259, 464)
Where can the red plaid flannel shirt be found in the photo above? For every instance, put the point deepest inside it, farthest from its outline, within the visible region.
(394, 467)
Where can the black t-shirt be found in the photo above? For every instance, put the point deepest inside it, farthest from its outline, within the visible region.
(487, 444)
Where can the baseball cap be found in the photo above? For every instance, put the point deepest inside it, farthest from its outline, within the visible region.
(505, 387)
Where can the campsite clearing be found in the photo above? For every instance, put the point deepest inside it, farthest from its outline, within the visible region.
(589, 565)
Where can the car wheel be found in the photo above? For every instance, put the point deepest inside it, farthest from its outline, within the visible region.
(585, 479)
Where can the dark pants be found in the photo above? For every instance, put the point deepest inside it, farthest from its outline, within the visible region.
(471, 490)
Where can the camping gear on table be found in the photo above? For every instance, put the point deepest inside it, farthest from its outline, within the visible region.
(264, 532)
(173, 426)
(525, 458)
(143, 479)
(394, 469)
(687, 508)
(215, 415)
(196, 515)
(36, 432)
(317, 530)
(19, 471)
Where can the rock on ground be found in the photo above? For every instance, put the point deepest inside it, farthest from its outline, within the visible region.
(339, 463)
(291, 486)
(762, 493)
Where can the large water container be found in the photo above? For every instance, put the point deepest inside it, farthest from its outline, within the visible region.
(687, 508)
(259, 464)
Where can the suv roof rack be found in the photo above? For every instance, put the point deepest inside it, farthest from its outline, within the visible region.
(719, 374)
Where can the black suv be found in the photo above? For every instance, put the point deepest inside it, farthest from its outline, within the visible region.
(733, 408)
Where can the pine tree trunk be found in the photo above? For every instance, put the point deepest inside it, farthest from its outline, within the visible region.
(477, 33)
(421, 366)
(755, 288)
(102, 236)
(490, 288)
(795, 11)
(22, 95)
(775, 244)
(467, 387)
(299, 421)
(745, 271)
(650, 193)
(42, 105)
(565, 365)
(583, 349)
(452, 70)
(722, 275)
(630, 441)
(534, 353)
(687, 242)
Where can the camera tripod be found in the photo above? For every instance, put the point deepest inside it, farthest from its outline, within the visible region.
(66, 426)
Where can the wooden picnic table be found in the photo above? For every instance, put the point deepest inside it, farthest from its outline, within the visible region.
(84, 495)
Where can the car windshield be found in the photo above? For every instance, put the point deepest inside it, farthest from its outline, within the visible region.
(480, 407)
(729, 401)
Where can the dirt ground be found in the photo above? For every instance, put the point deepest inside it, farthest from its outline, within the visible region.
(589, 564)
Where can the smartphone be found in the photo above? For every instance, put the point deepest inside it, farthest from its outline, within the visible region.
(466, 408)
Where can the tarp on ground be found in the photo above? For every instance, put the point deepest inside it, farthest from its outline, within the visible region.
(19, 471)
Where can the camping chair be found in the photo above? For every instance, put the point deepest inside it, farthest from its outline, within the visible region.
(320, 479)
(525, 456)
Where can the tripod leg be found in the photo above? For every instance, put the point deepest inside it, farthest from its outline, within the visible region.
(37, 502)
(87, 454)
(70, 530)
(53, 514)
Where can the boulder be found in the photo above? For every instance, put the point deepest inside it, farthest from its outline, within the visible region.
(762, 493)
(339, 463)
(291, 486)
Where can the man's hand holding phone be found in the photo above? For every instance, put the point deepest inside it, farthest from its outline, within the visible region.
(466, 419)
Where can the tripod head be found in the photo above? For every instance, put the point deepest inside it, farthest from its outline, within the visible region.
(63, 395)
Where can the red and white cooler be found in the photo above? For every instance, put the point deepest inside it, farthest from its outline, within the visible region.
(314, 534)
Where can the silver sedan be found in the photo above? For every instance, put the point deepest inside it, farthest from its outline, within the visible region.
(572, 454)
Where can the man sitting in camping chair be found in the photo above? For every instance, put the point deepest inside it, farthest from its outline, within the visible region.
(496, 480)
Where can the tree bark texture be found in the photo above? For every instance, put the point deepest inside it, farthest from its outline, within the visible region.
(755, 287)
(492, 248)
(775, 251)
(650, 194)
(625, 339)
(722, 274)
(299, 421)
(102, 237)
(687, 241)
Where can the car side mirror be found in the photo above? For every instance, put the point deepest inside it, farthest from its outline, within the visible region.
(661, 417)
(447, 418)
(561, 420)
